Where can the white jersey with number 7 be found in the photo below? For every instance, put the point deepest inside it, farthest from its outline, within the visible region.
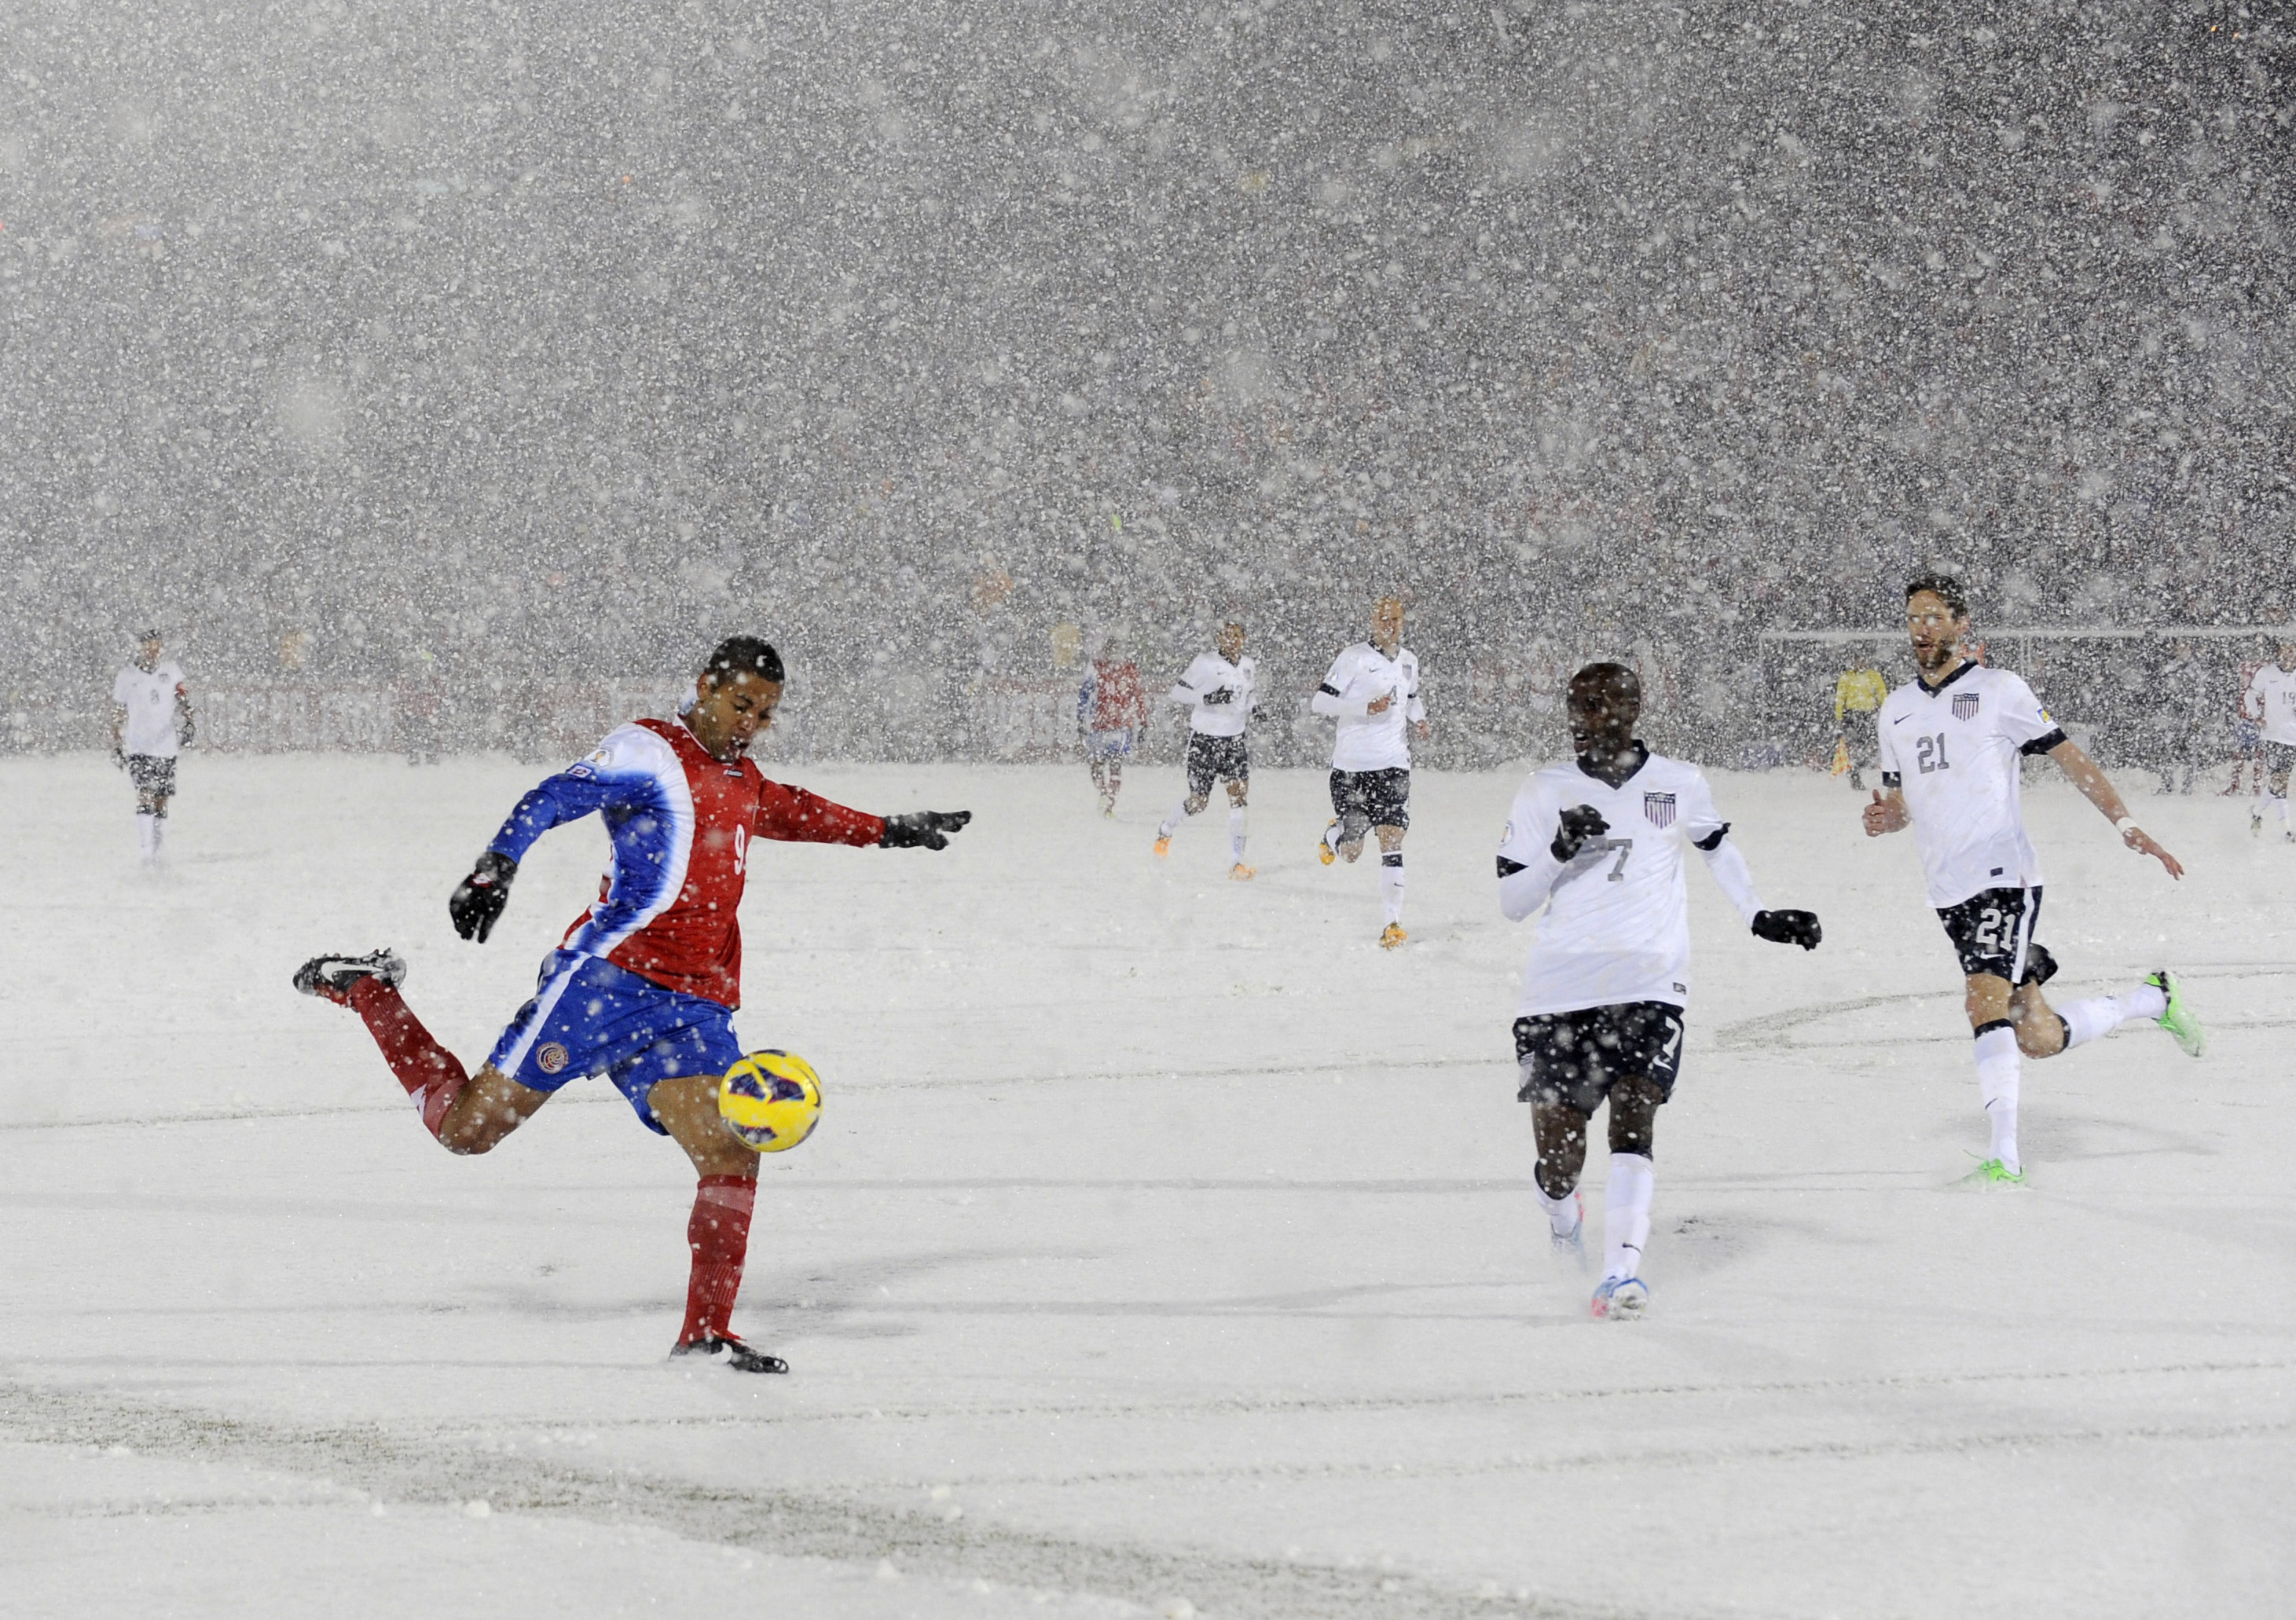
(1617, 927)
(1953, 749)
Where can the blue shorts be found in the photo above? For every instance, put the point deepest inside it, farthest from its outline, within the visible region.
(1109, 745)
(589, 1016)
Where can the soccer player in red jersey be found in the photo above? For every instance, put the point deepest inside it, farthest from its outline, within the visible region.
(643, 987)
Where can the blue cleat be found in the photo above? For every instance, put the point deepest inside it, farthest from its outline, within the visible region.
(1620, 1299)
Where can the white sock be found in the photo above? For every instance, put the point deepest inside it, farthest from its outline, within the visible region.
(1626, 1215)
(147, 836)
(2283, 802)
(1998, 1068)
(1390, 885)
(1562, 1213)
(1235, 822)
(158, 834)
(1172, 822)
(2100, 1015)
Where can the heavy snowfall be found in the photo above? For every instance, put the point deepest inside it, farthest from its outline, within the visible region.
(440, 382)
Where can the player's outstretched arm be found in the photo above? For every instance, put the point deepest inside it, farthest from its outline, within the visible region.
(2098, 789)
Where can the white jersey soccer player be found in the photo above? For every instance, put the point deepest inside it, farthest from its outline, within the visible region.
(1373, 691)
(1221, 693)
(2270, 701)
(1951, 744)
(151, 721)
(1598, 840)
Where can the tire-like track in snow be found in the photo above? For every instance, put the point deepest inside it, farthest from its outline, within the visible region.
(787, 1523)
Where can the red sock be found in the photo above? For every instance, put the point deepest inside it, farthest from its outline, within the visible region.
(718, 1234)
(432, 1075)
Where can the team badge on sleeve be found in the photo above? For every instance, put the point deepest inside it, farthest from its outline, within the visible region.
(1658, 809)
(1965, 705)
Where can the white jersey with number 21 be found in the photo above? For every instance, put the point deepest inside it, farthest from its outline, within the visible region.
(1953, 750)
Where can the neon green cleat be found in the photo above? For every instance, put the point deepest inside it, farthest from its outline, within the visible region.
(2179, 1020)
(1994, 1172)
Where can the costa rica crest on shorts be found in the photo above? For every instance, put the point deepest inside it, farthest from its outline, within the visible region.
(1965, 705)
(1658, 809)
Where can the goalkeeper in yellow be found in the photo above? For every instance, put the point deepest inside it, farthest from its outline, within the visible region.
(1858, 698)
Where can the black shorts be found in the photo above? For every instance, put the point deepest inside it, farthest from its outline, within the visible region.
(1574, 1058)
(1992, 932)
(1371, 798)
(2279, 757)
(1212, 759)
(152, 774)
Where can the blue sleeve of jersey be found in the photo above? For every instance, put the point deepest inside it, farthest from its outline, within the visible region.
(575, 792)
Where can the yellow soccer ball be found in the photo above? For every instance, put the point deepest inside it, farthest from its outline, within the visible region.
(770, 1099)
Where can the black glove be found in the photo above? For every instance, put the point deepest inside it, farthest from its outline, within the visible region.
(923, 829)
(479, 899)
(1789, 928)
(1579, 824)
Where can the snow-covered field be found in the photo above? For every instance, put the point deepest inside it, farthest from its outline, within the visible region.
(1166, 1247)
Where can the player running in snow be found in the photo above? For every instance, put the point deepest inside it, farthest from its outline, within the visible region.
(1221, 693)
(1113, 712)
(1599, 842)
(1373, 691)
(645, 985)
(1951, 742)
(2270, 701)
(151, 721)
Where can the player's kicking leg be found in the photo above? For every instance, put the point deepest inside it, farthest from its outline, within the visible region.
(587, 1015)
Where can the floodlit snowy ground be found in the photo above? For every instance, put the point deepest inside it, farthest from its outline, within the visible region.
(1166, 1244)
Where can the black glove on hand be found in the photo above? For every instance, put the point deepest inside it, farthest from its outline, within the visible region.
(1579, 824)
(1789, 928)
(923, 829)
(479, 899)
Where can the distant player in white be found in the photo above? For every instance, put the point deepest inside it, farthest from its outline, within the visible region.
(2270, 701)
(1951, 742)
(1221, 693)
(1598, 841)
(1373, 691)
(151, 721)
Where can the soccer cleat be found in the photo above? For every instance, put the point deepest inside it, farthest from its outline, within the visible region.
(330, 978)
(2178, 1021)
(1241, 873)
(740, 1356)
(1392, 936)
(1619, 1299)
(1994, 1172)
(1163, 845)
(2255, 824)
(1323, 851)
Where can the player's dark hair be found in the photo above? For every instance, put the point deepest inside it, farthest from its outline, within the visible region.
(1612, 675)
(745, 655)
(1945, 587)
